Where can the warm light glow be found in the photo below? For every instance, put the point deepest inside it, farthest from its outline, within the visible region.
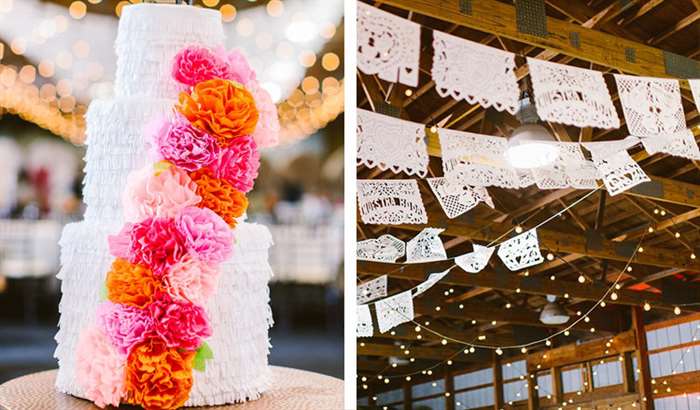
(46, 69)
(275, 8)
(228, 13)
(327, 31)
(647, 306)
(310, 85)
(77, 10)
(18, 46)
(331, 62)
(307, 58)
(581, 279)
(64, 88)
(27, 74)
(210, 3)
(677, 310)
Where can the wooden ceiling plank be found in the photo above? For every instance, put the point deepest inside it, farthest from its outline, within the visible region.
(641, 12)
(687, 21)
(498, 18)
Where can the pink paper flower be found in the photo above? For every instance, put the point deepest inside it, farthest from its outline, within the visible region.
(156, 243)
(195, 64)
(267, 130)
(238, 68)
(206, 235)
(125, 326)
(99, 368)
(191, 280)
(164, 194)
(238, 163)
(184, 145)
(180, 324)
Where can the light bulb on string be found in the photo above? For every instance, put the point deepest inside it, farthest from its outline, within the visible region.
(581, 279)
(677, 310)
(518, 229)
(677, 235)
(647, 306)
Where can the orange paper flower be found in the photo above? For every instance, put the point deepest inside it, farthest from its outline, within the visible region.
(220, 196)
(131, 284)
(222, 108)
(158, 377)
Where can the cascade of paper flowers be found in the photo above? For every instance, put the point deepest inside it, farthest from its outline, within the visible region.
(180, 210)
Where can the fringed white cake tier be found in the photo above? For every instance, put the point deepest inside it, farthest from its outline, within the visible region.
(239, 312)
(149, 37)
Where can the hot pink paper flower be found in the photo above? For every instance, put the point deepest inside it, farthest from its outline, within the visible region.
(238, 163)
(180, 324)
(267, 130)
(184, 145)
(99, 368)
(206, 235)
(164, 194)
(191, 280)
(195, 64)
(125, 326)
(238, 68)
(156, 243)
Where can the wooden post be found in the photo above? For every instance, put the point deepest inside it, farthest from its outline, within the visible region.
(407, 396)
(497, 382)
(628, 373)
(557, 387)
(449, 388)
(533, 399)
(645, 389)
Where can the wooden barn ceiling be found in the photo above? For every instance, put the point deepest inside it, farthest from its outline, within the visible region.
(592, 239)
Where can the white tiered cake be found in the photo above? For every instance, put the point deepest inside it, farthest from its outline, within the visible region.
(149, 36)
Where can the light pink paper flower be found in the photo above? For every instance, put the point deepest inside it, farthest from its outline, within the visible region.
(125, 326)
(191, 280)
(238, 68)
(184, 145)
(195, 64)
(238, 163)
(207, 237)
(163, 195)
(267, 130)
(180, 324)
(120, 244)
(99, 368)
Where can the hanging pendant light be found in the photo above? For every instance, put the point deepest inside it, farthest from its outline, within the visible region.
(530, 145)
(552, 313)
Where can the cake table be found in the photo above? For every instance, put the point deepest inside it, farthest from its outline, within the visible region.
(291, 389)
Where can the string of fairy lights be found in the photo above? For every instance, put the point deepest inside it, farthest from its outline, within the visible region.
(468, 347)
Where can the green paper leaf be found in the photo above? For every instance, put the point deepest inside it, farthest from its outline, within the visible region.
(204, 353)
(103, 292)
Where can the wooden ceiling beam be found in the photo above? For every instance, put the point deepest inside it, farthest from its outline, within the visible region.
(418, 352)
(408, 332)
(578, 353)
(511, 283)
(641, 12)
(498, 18)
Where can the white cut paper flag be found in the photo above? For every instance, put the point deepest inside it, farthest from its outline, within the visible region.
(695, 89)
(390, 202)
(391, 143)
(433, 278)
(569, 170)
(387, 45)
(679, 144)
(475, 261)
(426, 247)
(619, 172)
(394, 311)
(521, 251)
(652, 106)
(456, 199)
(371, 290)
(364, 321)
(386, 248)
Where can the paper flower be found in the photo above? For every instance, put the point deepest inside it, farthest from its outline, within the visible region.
(120, 244)
(191, 280)
(267, 130)
(238, 164)
(158, 377)
(207, 236)
(220, 196)
(149, 193)
(99, 368)
(184, 145)
(124, 325)
(238, 68)
(155, 243)
(179, 324)
(132, 284)
(222, 108)
(197, 64)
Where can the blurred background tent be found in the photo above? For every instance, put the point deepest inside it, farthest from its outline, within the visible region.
(57, 55)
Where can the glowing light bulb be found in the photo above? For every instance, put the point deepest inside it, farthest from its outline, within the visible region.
(647, 306)
(677, 310)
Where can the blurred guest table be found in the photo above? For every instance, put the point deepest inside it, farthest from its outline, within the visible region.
(29, 248)
(306, 254)
(291, 389)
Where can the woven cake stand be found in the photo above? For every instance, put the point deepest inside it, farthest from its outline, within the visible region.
(292, 390)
